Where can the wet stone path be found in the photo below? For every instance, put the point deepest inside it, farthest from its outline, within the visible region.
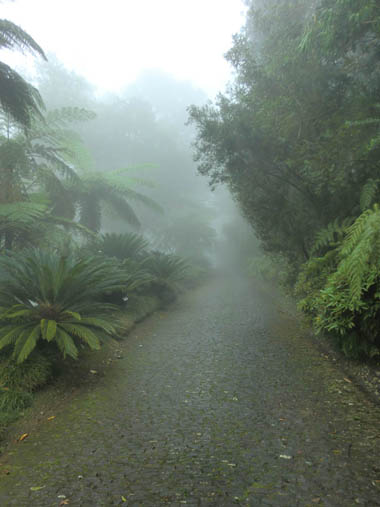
(219, 402)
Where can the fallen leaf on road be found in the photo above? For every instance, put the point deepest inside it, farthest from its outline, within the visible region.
(347, 380)
(51, 418)
(23, 437)
(285, 456)
(93, 371)
(123, 499)
(36, 488)
(64, 502)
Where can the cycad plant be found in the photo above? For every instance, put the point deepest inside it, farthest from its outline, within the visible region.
(168, 271)
(49, 298)
(124, 246)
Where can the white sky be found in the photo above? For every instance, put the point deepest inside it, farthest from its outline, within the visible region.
(111, 41)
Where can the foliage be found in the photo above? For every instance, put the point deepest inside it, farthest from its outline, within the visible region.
(296, 139)
(342, 287)
(11, 400)
(168, 271)
(122, 246)
(33, 373)
(112, 191)
(49, 298)
(271, 268)
(17, 97)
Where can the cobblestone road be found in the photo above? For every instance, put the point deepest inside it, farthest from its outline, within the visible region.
(220, 401)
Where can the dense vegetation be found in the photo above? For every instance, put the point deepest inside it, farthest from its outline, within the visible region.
(296, 139)
(89, 239)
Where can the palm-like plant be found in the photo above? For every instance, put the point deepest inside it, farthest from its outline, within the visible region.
(17, 97)
(49, 298)
(123, 246)
(112, 190)
(168, 271)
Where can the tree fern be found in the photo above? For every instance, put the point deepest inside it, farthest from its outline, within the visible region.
(17, 97)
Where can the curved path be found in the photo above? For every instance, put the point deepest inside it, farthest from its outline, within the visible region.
(219, 402)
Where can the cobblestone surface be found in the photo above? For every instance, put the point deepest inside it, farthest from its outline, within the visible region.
(219, 402)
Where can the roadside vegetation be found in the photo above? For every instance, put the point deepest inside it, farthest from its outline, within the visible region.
(87, 245)
(296, 139)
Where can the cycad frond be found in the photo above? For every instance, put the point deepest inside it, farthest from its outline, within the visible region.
(66, 344)
(167, 267)
(122, 246)
(28, 344)
(83, 332)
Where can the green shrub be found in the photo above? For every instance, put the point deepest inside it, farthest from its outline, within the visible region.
(168, 273)
(49, 299)
(33, 373)
(123, 246)
(12, 400)
(342, 289)
(272, 268)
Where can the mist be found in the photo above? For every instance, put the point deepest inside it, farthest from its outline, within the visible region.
(189, 194)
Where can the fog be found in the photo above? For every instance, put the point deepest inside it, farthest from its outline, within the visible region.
(117, 81)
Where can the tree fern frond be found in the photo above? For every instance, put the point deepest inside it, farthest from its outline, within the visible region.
(17, 97)
(14, 37)
(64, 115)
(90, 211)
(123, 209)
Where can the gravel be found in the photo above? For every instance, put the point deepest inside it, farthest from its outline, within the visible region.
(223, 400)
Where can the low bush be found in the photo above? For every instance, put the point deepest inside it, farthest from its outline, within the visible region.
(33, 373)
(341, 289)
(47, 299)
